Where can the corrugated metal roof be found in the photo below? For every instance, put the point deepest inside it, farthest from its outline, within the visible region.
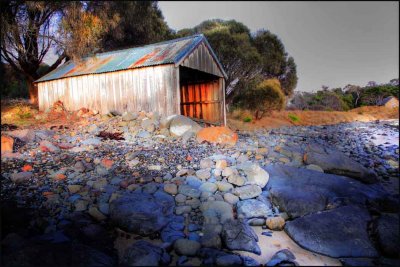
(172, 51)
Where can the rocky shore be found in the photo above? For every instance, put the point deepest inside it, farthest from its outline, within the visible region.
(140, 189)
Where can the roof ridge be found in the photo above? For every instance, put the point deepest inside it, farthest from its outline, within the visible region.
(148, 45)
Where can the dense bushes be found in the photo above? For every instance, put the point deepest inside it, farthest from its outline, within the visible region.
(374, 95)
(261, 96)
(351, 96)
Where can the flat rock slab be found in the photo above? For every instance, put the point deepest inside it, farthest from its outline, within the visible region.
(300, 191)
(336, 162)
(340, 232)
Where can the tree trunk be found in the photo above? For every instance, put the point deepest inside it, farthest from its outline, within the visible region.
(33, 92)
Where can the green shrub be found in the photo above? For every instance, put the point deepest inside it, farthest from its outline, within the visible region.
(23, 111)
(294, 118)
(261, 96)
(247, 119)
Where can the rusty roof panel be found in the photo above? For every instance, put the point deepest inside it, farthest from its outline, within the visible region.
(150, 55)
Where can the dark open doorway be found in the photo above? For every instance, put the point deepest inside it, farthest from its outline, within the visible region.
(201, 96)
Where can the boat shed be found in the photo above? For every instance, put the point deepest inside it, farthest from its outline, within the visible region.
(180, 76)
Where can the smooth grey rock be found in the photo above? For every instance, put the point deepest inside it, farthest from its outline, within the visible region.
(231, 198)
(211, 235)
(193, 181)
(224, 186)
(282, 257)
(94, 141)
(186, 247)
(143, 134)
(252, 208)
(20, 177)
(341, 232)
(237, 235)
(203, 174)
(179, 198)
(206, 163)
(236, 179)
(181, 124)
(208, 187)
(247, 191)
(254, 174)
(296, 202)
(336, 162)
(141, 213)
(229, 260)
(171, 189)
(189, 191)
(194, 203)
(216, 211)
(299, 191)
(143, 253)
(256, 222)
(249, 261)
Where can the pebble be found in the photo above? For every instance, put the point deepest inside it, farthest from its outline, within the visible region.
(171, 189)
(224, 186)
(231, 198)
(95, 213)
(203, 174)
(236, 180)
(208, 187)
(182, 210)
(275, 223)
(221, 164)
(81, 205)
(74, 188)
(180, 198)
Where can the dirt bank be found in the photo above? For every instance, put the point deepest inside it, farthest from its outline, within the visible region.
(306, 118)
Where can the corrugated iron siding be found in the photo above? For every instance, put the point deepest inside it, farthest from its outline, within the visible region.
(149, 89)
(201, 59)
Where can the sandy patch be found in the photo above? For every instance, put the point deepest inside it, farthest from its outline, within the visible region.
(279, 240)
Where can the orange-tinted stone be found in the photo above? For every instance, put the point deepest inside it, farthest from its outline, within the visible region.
(107, 163)
(7, 144)
(217, 135)
(27, 168)
(47, 193)
(60, 177)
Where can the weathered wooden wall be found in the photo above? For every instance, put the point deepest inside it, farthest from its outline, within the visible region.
(149, 88)
(201, 59)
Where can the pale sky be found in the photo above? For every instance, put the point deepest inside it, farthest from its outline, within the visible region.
(332, 43)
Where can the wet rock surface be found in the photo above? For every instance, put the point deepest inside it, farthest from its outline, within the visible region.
(66, 189)
(348, 239)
